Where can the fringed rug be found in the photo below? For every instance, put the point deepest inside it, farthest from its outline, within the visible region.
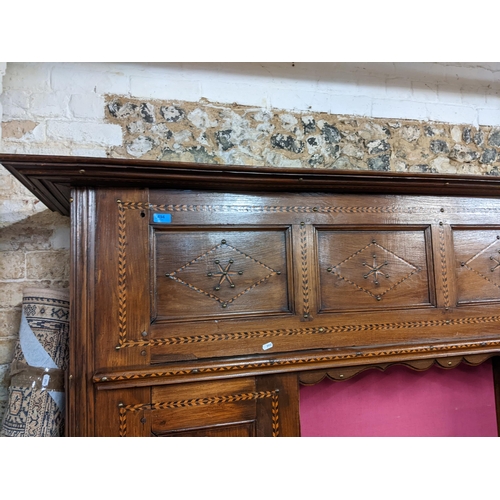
(36, 393)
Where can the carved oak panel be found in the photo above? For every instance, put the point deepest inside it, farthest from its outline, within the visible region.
(208, 273)
(477, 254)
(374, 269)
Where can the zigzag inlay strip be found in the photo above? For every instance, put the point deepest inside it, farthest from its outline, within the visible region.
(317, 330)
(444, 272)
(189, 403)
(275, 414)
(288, 209)
(306, 360)
(304, 271)
(122, 274)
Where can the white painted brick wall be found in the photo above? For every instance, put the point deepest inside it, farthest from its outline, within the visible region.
(163, 88)
(84, 132)
(88, 106)
(73, 93)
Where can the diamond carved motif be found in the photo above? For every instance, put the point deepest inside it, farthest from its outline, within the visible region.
(486, 263)
(374, 269)
(224, 273)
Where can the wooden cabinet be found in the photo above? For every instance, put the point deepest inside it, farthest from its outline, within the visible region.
(202, 295)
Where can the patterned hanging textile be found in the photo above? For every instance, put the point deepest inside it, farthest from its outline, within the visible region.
(36, 393)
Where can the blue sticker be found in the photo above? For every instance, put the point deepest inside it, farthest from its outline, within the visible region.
(162, 218)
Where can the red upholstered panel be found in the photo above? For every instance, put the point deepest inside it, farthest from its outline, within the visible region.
(402, 402)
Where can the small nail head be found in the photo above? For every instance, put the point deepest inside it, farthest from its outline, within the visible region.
(103, 379)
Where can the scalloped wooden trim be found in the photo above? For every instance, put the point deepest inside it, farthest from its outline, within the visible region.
(348, 372)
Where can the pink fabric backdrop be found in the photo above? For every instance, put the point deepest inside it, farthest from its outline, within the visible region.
(401, 402)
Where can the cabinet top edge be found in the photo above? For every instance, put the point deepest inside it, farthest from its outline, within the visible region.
(50, 178)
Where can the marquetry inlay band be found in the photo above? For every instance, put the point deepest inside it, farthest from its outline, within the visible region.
(316, 209)
(187, 403)
(300, 361)
(304, 271)
(317, 330)
(444, 272)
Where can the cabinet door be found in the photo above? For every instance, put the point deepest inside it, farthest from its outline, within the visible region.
(261, 406)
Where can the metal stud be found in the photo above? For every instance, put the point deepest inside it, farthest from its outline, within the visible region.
(329, 270)
(217, 288)
(315, 209)
(379, 297)
(321, 330)
(240, 272)
(143, 353)
(232, 286)
(224, 305)
(278, 272)
(302, 223)
(209, 274)
(144, 334)
(223, 242)
(231, 261)
(103, 379)
(217, 261)
(306, 315)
